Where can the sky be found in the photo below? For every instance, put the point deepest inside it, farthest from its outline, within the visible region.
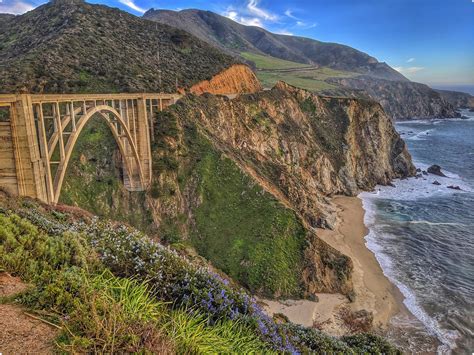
(429, 41)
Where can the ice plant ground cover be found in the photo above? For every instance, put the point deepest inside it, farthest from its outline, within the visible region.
(88, 273)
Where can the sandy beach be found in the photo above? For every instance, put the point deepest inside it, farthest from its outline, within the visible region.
(374, 292)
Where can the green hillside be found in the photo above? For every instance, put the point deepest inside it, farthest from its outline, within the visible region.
(313, 78)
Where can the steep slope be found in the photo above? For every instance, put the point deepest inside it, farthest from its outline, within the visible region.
(245, 181)
(236, 38)
(458, 99)
(402, 100)
(242, 177)
(71, 46)
(400, 97)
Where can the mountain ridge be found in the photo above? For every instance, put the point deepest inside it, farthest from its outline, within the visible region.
(294, 48)
(399, 96)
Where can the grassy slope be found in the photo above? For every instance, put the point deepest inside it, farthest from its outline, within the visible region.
(311, 79)
(267, 62)
(114, 291)
(244, 231)
(240, 228)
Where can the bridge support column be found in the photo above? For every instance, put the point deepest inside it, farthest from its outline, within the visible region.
(30, 171)
(143, 144)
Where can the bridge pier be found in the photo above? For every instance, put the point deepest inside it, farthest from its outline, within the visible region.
(28, 147)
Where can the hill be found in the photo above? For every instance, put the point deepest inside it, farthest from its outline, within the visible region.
(327, 64)
(72, 46)
(236, 38)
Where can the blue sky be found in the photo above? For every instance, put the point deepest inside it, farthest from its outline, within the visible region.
(430, 41)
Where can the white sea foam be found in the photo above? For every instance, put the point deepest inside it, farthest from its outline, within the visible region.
(416, 188)
(373, 243)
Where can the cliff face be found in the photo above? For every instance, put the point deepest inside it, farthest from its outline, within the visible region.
(224, 165)
(457, 99)
(236, 79)
(402, 100)
(305, 147)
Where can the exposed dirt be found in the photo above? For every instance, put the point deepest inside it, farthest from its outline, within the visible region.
(21, 334)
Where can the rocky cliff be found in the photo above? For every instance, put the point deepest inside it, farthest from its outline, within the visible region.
(401, 100)
(457, 99)
(236, 79)
(247, 180)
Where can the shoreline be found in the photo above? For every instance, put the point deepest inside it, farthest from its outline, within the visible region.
(374, 291)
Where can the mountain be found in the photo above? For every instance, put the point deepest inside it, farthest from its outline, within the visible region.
(400, 97)
(236, 38)
(71, 46)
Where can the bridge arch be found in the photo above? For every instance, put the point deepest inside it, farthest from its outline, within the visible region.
(43, 124)
(114, 122)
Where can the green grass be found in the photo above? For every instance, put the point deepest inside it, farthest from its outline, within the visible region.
(268, 62)
(245, 231)
(269, 79)
(311, 79)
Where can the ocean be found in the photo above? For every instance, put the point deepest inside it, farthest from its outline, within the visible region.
(423, 234)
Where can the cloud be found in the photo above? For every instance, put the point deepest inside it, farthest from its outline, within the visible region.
(15, 7)
(247, 21)
(284, 32)
(410, 60)
(132, 5)
(251, 14)
(266, 15)
(409, 70)
(306, 26)
(289, 13)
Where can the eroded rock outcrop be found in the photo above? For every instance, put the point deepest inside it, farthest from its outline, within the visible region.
(299, 147)
(238, 78)
(401, 99)
(305, 147)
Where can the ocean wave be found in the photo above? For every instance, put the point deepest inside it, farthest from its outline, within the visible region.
(439, 223)
(446, 337)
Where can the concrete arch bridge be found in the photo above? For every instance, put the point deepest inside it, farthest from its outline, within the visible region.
(38, 134)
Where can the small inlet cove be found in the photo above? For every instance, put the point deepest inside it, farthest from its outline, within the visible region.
(422, 234)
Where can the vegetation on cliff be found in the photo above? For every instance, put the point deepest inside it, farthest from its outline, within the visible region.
(111, 289)
(94, 179)
(237, 225)
(74, 47)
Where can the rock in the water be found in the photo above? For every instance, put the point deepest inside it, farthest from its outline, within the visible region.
(436, 183)
(454, 187)
(425, 172)
(435, 170)
(418, 170)
(464, 117)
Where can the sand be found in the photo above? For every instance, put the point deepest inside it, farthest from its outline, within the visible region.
(374, 292)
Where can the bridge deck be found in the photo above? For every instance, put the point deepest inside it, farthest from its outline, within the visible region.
(8, 99)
